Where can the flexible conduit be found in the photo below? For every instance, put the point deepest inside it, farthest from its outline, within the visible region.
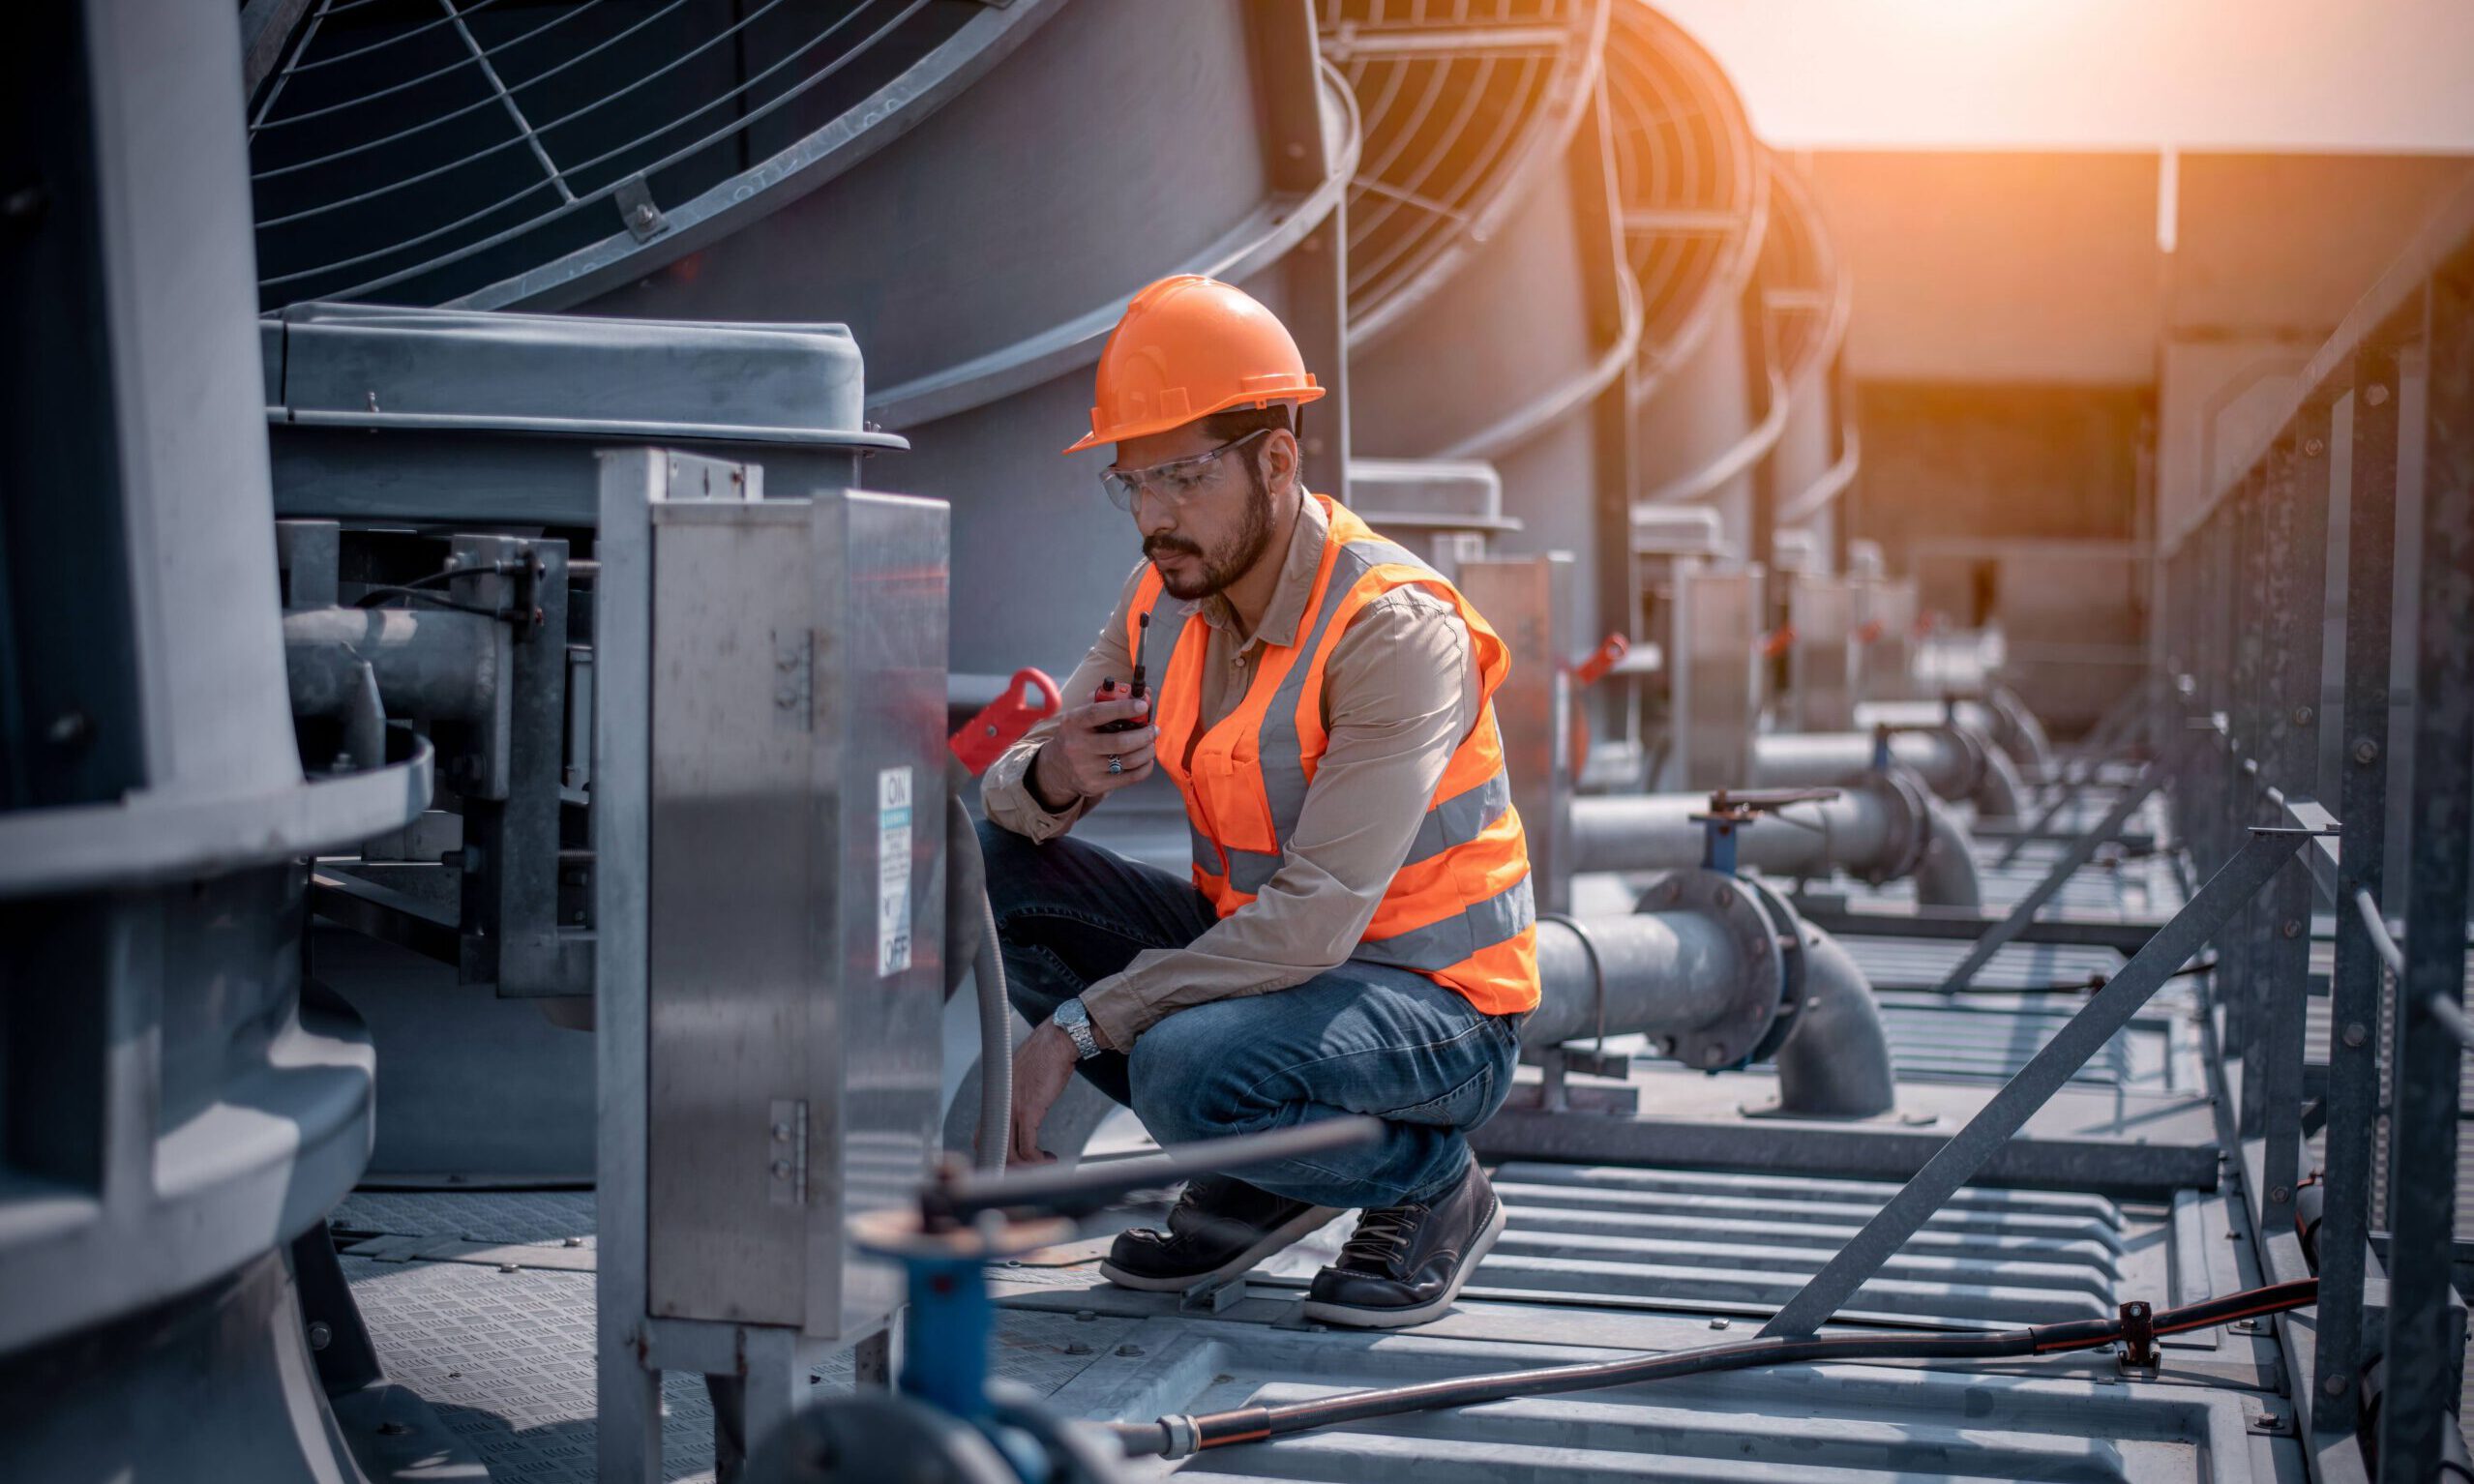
(1176, 1436)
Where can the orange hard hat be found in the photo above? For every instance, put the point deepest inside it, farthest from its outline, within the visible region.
(1190, 347)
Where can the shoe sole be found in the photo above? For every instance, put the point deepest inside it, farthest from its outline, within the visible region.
(1354, 1316)
(1278, 1238)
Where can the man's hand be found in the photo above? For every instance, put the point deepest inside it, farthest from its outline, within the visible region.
(1042, 1068)
(1074, 762)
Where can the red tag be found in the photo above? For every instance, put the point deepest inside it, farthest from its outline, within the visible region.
(1029, 697)
(1591, 670)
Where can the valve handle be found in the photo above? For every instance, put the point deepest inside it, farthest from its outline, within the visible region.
(1777, 641)
(1594, 668)
(1028, 697)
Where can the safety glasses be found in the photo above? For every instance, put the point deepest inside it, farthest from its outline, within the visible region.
(1180, 481)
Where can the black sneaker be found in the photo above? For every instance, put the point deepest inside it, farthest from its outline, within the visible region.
(1219, 1228)
(1406, 1264)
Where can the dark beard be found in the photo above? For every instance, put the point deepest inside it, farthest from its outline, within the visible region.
(1252, 540)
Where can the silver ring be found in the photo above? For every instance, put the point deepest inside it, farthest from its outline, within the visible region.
(1115, 762)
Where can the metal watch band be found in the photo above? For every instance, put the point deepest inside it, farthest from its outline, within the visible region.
(1076, 1022)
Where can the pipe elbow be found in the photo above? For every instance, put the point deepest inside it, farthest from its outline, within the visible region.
(1836, 1063)
(2000, 791)
(1947, 876)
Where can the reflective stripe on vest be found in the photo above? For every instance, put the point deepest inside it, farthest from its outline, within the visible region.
(1459, 908)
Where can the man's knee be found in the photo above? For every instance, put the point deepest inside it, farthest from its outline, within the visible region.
(1184, 1086)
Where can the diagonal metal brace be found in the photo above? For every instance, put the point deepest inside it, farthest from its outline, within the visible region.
(2083, 850)
(2107, 1013)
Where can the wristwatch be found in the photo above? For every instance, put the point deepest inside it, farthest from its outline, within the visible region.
(1076, 1022)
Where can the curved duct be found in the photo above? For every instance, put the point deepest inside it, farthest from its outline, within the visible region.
(1690, 183)
(1462, 105)
(492, 158)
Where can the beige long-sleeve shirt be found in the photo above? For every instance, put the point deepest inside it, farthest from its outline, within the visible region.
(1400, 694)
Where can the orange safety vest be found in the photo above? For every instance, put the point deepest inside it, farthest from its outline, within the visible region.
(1459, 908)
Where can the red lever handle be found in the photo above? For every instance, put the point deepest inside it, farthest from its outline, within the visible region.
(1777, 641)
(1609, 650)
(1029, 697)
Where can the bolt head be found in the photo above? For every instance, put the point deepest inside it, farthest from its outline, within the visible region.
(1130, 1352)
(2364, 749)
(2280, 1195)
(2291, 929)
(780, 1170)
(2335, 1385)
(1720, 1324)
(1724, 896)
(2355, 1034)
(2302, 716)
(2376, 393)
(2313, 448)
(321, 1336)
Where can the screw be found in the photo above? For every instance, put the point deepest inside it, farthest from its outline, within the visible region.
(2291, 929)
(2266, 1422)
(1724, 896)
(781, 1133)
(1084, 1316)
(2364, 749)
(2280, 1195)
(1078, 1347)
(508, 1267)
(1129, 1352)
(2355, 1034)
(321, 1336)
(2335, 1385)
(2376, 393)
(571, 1241)
(2313, 448)
(2302, 716)
(644, 213)
(780, 1170)
(69, 728)
(1720, 1324)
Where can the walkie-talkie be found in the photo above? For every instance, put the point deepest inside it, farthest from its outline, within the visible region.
(1141, 687)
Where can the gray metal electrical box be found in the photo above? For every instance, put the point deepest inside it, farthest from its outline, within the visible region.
(769, 786)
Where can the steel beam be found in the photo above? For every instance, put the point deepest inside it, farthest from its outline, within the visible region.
(2096, 1023)
(2081, 852)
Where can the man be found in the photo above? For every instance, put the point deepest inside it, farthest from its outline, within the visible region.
(1358, 934)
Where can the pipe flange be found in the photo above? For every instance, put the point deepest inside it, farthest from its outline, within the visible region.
(1979, 765)
(1792, 987)
(1907, 804)
(1729, 1042)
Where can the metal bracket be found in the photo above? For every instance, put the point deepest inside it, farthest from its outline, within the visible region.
(2138, 1357)
(635, 202)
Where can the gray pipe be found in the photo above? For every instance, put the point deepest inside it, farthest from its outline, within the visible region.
(1953, 762)
(1836, 1063)
(430, 663)
(1666, 975)
(1656, 832)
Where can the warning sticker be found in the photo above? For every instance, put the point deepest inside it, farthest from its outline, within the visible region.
(893, 870)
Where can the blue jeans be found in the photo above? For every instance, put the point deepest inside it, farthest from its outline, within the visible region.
(1362, 1038)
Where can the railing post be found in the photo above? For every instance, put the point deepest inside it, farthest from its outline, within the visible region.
(2353, 1030)
(2421, 1356)
(2296, 511)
